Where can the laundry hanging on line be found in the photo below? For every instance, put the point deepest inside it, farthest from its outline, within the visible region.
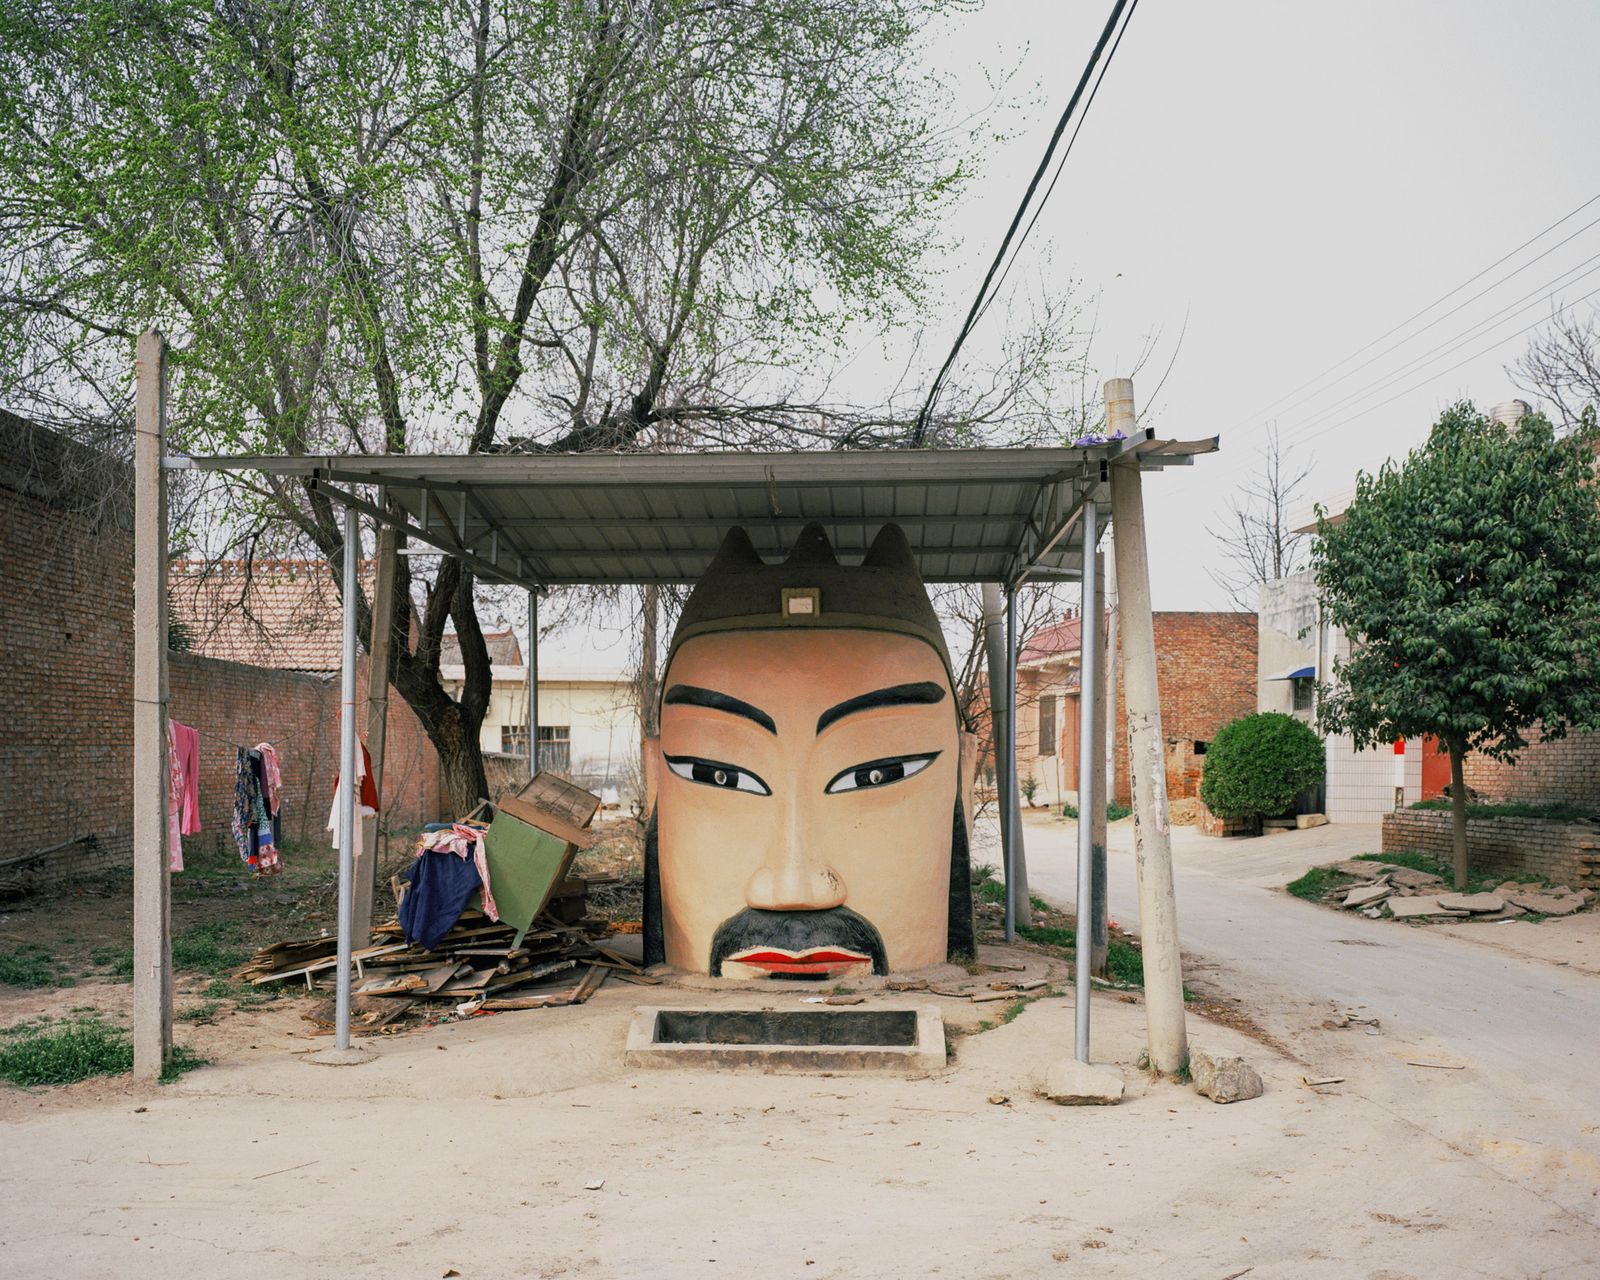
(257, 813)
(183, 789)
(367, 802)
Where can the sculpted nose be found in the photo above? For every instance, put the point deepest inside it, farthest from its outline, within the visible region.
(794, 875)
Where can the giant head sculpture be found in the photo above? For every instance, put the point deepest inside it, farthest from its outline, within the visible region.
(809, 817)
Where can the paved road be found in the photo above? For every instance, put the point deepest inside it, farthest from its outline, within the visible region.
(1526, 1032)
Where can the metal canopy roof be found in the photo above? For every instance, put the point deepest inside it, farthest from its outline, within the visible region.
(535, 520)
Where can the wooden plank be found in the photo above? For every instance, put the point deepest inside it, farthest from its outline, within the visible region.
(522, 811)
(561, 799)
(327, 963)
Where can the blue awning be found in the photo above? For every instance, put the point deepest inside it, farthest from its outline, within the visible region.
(1299, 673)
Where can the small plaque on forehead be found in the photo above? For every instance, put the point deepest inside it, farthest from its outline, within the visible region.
(802, 602)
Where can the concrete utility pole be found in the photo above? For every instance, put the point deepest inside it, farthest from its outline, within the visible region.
(383, 608)
(349, 784)
(1092, 702)
(152, 882)
(1090, 800)
(1158, 911)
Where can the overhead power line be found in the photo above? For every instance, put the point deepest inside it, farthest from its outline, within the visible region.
(1389, 333)
(1544, 292)
(919, 432)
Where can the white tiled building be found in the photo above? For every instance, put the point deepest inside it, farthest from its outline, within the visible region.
(1295, 652)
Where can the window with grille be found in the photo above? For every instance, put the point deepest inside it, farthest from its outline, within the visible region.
(1303, 692)
(514, 739)
(1047, 724)
(555, 747)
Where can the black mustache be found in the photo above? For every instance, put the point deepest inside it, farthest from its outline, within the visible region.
(797, 931)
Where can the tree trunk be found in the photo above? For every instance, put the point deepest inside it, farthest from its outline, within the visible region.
(1458, 812)
(461, 769)
(649, 678)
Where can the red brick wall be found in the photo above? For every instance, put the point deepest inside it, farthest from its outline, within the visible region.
(66, 664)
(1567, 769)
(1206, 668)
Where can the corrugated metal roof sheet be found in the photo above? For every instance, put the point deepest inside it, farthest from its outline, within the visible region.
(971, 515)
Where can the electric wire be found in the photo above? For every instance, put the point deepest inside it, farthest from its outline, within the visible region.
(1388, 333)
(1541, 294)
(1439, 319)
(919, 431)
(1476, 355)
(1062, 163)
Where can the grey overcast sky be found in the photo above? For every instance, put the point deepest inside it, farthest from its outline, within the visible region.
(1294, 179)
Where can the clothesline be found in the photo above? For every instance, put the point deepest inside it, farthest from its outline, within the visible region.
(233, 742)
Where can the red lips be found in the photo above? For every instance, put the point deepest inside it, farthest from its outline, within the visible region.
(820, 961)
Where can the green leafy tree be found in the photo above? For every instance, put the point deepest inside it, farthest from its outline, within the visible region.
(1258, 764)
(1468, 580)
(467, 225)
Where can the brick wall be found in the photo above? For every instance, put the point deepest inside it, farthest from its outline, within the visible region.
(1206, 668)
(1566, 769)
(1507, 847)
(66, 666)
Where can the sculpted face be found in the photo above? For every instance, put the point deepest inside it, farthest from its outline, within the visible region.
(806, 801)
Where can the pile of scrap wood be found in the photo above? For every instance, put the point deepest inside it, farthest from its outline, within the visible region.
(543, 938)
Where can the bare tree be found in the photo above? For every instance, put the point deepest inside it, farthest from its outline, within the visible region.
(1562, 366)
(1258, 543)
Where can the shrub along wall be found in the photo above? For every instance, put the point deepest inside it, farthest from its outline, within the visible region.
(1565, 852)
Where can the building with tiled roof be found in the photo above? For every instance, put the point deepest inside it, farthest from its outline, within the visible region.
(268, 613)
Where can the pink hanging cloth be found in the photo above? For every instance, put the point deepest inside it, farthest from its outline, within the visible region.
(183, 789)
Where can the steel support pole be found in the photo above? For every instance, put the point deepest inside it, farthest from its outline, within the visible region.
(1090, 801)
(349, 784)
(152, 882)
(1158, 910)
(1095, 699)
(533, 683)
(1010, 831)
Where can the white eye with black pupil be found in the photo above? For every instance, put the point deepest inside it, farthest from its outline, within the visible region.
(711, 773)
(879, 773)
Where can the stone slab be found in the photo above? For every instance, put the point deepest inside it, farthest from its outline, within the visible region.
(1475, 903)
(1408, 908)
(1547, 904)
(1083, 1084)
(1365, 895)
(1223, 1079)
(1306, 821)
(1410, 878)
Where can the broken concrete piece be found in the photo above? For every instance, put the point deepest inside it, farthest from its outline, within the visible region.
(1422, 905)
(1547, 904)
(1473, 903)
(1409, 878)
(1223, 1079)
(1305, 821)
(1364, 895)
(1508, 912)
(1373, 913)
(1083, 1084)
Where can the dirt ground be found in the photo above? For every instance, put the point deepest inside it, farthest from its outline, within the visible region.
(519, 1144)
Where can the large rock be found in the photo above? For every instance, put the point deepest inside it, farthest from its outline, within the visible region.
(1305, 821)
(1472, 903)
(1083, 1084)
(1223, 1079)
(1364, 895)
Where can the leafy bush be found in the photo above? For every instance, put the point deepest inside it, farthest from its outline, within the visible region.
(1114, 812)
(1258, 764)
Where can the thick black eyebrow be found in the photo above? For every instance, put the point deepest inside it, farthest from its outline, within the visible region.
(690, 695)
(923, 693)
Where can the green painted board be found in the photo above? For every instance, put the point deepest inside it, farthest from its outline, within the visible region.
(525, 865)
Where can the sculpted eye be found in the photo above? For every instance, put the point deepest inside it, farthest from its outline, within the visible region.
(879, 773)
(713, 773)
